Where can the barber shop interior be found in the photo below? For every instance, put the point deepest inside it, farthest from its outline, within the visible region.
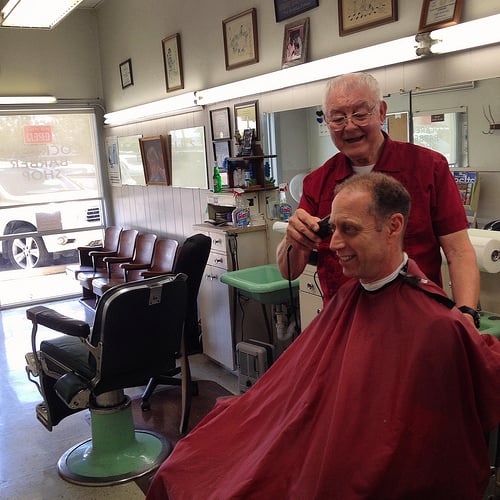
(172, 266)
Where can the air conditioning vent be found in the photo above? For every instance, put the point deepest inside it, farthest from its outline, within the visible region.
(93, 214)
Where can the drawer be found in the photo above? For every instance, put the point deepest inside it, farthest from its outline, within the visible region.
(218, 260)
(309, 284)
(218, 242)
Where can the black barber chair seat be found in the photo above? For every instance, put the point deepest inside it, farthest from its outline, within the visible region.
(137, 326)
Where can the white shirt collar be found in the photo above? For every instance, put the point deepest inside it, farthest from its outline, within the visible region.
(376, 285)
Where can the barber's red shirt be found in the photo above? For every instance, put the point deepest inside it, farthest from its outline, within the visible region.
(436, 206)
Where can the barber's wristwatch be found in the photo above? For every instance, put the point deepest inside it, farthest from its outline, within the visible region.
(475, 314)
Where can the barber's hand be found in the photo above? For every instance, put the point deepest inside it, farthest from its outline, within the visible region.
(301, 230)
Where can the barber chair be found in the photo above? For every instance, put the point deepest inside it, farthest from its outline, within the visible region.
(126, 269)
(192, 259)
(100, 269)
(85, 263)
(137, 326)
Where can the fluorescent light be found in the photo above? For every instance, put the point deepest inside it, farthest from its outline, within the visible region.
(182, 103)
(382, 54)
(33, 99)
(36, 13)
(464, 36)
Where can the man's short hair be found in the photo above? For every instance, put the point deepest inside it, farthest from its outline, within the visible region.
(388, 194)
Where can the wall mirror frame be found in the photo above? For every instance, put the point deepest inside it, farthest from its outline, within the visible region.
(246, 116)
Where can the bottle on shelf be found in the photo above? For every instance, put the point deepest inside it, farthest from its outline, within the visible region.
(217, 179)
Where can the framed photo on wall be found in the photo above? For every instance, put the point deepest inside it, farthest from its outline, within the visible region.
(126, 76)
(358, 16)
(439, 14)
(154, 160)
(219, 122)
(246, 116)
(295, 43)
(241, 45)
(285, 9)
(172, 62)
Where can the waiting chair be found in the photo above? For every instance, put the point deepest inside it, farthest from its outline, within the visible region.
(192, 259)
(137, 325)
(85, 262)
(163, 258)
(123, 269)
(126, 246)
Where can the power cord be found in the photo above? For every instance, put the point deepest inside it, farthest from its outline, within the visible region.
(290, 290)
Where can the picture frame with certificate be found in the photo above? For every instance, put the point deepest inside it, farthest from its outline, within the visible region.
(172, 62)
(295, 43)
(154, 160)
(439, 14)
(241, 46)
(220, 124)
(354, 16)
(126, 75)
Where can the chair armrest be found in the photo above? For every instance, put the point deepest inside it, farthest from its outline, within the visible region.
(44, 316)
(129, 266)
(84, 254)
(116, 260)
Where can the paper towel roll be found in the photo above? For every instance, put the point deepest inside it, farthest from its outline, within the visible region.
(487, 253)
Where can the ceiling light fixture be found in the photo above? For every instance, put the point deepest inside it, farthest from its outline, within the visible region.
(33, 99)
(157, 109)
(35, 13)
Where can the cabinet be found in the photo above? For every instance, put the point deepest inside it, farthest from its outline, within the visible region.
(310, 296)
(255, 163)
(232, 248)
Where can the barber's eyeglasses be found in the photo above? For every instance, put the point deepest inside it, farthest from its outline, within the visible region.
(338, 122)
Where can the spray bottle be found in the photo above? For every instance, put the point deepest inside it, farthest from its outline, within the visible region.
(241, 214)
(285, 209)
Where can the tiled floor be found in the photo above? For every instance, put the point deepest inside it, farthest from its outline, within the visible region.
(28, 452)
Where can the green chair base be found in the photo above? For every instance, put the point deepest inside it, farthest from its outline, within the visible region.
(115, 454)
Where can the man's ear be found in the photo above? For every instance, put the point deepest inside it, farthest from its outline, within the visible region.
(396, 224)
(382, 111)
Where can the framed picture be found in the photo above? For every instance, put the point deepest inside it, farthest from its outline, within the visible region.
(285, 9)
(241, 45)
(219, 122)
(172, 61)
(246, 116)
(126, 75)
(358, 16)
(295, 43)
(439, 14)
(154, 160)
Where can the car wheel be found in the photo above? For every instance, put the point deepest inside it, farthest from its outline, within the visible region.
(27, 252)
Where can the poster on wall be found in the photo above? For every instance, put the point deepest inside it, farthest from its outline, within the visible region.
(112, 161)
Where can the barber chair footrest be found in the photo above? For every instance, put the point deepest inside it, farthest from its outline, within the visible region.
(42, 415)
(116, 453)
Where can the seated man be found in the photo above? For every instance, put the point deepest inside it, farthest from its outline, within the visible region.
(387, 394)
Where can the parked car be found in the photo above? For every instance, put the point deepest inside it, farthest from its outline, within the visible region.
(44, 200)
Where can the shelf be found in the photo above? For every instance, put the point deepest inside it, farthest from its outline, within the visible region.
(257, 164)
(250, 157)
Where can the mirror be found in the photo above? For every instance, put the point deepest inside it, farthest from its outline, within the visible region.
(129, 154)
(189, 159)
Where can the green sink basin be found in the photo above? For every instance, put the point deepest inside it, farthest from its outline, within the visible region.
(262, 283)
(490, 323)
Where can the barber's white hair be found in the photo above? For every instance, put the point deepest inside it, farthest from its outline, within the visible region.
(353, 80)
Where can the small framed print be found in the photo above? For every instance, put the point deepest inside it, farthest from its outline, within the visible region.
(219, 121)
(126, 75)
(172, 61)
(439, 14)
(154, 160)
(295, 43)
(285, 9)
(358, 16)
(246, 116)
(241, 45)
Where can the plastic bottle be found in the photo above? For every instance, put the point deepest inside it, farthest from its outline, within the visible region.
(241, 214)
(285, 209)
(217, 179)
